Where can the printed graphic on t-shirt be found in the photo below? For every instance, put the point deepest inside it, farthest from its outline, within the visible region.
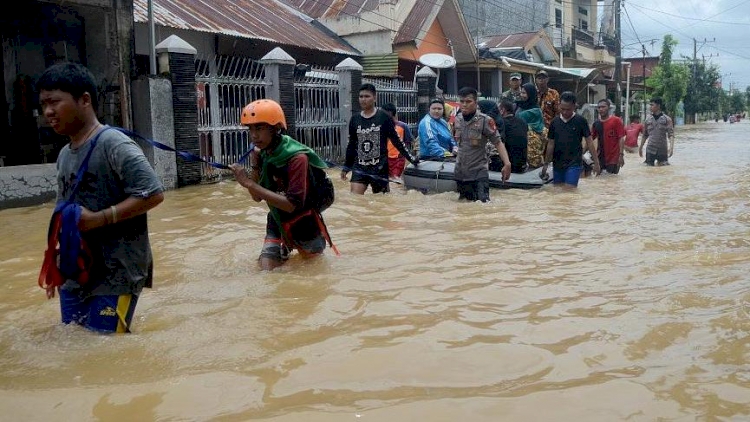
(69, 183)
(368, 145)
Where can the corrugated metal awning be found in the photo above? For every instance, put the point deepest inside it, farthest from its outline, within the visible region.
(383, 65)
(268, 20)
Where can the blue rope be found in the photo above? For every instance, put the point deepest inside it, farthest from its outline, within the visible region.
(186, 155)
(331, 164)
(194, 158)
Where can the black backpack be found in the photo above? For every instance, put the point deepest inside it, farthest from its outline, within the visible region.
(324, 191)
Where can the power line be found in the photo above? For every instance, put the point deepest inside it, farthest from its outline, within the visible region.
(697, 19)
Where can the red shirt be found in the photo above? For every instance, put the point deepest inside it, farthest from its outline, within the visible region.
(609, 141)
(633, 131)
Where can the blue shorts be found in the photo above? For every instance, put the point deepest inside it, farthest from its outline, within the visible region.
(106, 314)
(569, 176)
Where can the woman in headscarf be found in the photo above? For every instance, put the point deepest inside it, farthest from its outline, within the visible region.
(489, 108)
(527, 109)
(435, 139)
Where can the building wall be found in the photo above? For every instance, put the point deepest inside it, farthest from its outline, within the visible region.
(434, 42)
(372, 43)
(497, 17)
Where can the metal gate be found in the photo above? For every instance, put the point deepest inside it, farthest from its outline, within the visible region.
(224, 85)
(319, 122)
(403, 94)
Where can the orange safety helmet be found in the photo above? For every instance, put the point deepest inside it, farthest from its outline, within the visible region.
(263, 111)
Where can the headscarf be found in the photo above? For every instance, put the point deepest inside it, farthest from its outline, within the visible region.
(532, 101)
(529, 110)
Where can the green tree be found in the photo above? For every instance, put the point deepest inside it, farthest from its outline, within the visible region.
(725, 104)
(737, 102)
(669, 80)
(702, 91)
(747, 96)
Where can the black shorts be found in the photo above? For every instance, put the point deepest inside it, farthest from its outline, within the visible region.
(474, 190)
(660, 158)
(612, 168)
(378, 183)
(305, 234)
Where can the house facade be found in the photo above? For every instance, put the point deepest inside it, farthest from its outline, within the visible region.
(392, 35)
(96, 33)
(35, 35)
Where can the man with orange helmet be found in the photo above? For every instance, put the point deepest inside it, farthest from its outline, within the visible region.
(290, 177)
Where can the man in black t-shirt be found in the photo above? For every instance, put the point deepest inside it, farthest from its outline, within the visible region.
(564, 147)
(367, 152)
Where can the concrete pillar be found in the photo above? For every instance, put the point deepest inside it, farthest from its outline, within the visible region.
(350, 78)
(214, 110)
(177, 58)
(279, 70)
(425, 89)
(153, 118)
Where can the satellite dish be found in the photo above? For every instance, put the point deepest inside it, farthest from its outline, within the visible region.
(437, 61)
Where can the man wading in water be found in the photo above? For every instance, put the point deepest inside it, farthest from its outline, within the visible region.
(289, 176)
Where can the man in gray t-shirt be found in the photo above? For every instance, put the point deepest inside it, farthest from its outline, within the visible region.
(658, 131)
(113, 195)
(472, 131)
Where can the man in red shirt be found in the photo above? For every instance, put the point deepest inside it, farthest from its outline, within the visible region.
(634, 130)
(610, 134)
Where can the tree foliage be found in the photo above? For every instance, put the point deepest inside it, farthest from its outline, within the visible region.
(669, 80)
(702, 90)
(737, 102)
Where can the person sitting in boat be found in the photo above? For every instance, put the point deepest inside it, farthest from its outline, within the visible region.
(435, 139)
(489, 108)
(515, 137)
(527, 109)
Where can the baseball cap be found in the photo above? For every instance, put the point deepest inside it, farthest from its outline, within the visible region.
(515, 75)
(542, 73)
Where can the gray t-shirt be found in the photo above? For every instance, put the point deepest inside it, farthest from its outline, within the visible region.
(472, 162)
(117, 170)
(658, 131)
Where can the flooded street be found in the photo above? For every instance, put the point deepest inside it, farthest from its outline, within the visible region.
(628, 299)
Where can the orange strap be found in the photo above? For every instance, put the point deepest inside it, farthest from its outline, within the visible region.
(50, 277)
(321, 226)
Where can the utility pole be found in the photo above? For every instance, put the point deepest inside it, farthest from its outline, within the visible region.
(694, 80)
(644, 81)
(618, 59)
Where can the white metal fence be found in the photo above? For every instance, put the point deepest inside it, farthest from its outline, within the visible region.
(224, 85)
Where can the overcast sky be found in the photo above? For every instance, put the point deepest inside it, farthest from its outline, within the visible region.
(726, 21)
